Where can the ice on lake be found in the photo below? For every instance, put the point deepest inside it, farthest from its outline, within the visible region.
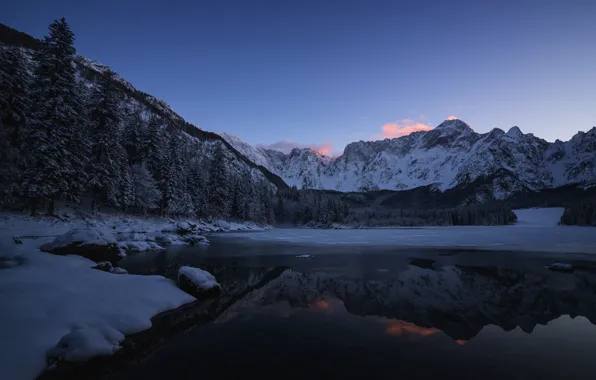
(536, 230)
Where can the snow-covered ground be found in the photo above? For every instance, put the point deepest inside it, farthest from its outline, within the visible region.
(14, 224)
(539, 216)
(537, 230)
(58, 307)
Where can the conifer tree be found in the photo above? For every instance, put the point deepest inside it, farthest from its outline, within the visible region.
(109, 179)
(219, 189)
(14, 107)
(57, 150)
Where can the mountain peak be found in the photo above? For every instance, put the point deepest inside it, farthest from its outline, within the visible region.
(453, 124)
(515, 132)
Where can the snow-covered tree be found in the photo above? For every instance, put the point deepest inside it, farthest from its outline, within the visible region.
(134, 136)
(219, 188)
(56, 148)
(109, 180)
(197, 186)
(175, 198)
(146, 193)
(14, 107)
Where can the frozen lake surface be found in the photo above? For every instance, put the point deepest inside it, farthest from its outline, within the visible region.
(361, 304)
(521, 237)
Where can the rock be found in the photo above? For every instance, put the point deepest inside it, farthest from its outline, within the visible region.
(169, 240)
(197, 282)
(185, 228)
(17, 240)
(105, 266)
(118, 270)
(140, 246)
(94, 243)
(195, 239)
(560, 267)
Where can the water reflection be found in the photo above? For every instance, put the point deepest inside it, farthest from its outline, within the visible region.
(419, 297)
(417, 315)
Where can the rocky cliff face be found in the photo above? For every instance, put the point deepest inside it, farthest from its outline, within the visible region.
(450, 155)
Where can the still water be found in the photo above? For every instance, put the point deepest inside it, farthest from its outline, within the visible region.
(379, 312)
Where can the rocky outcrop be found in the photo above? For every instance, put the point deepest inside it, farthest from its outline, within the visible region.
(94, 243)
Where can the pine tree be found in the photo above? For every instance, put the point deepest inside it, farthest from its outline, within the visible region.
(57, 150)
(109, 179)
(146, 193)
(219, 189)
(153, 143)
(135, 137)
(14, 107)
(175, 198)
(197, 187)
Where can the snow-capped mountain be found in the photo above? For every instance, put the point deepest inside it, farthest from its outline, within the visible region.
(450, 155)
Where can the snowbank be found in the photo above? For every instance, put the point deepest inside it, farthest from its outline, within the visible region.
(93, 243)
(140, 246)
(82, 236)
(59, 304)
(200, 278)
(197, 282)
(560, 267)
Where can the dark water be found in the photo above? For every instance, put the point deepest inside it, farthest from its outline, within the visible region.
(380, 313)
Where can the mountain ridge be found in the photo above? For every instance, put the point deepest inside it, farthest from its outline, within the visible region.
(448, 156)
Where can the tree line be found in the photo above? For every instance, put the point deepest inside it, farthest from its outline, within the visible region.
(582, 213)
(64, 138)
(476, 215)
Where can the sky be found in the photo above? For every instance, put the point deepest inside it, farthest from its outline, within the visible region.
(326, 73)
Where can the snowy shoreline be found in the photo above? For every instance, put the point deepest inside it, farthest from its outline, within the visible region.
(57, 308)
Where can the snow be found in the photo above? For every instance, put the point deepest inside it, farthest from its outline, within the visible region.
(82, 236)
(561, 267)
(119, 270)
(200, 278)
(418, 160)
(61, 304)
(539, 216)
(85, 342)
(304, 256)
(560, 239)
(140, 246)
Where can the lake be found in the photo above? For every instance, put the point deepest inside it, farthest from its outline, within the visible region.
(378, 310)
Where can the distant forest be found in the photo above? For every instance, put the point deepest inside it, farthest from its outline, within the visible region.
(303, 206)
(581, 213)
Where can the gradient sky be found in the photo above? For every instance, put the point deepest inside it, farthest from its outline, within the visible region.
(333, 72)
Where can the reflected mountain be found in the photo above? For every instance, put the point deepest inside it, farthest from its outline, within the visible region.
(421, 298)
(459, 301)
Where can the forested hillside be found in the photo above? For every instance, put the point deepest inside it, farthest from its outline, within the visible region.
(67, 133)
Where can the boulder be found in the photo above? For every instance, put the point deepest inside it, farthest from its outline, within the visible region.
(140, 246)
(169, 240)
(105, 266)
(197, 282)
(195, 239)
(560, 267)
(118, 270)
(94, 243)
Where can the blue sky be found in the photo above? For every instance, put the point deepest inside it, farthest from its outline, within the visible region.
(336, 71)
